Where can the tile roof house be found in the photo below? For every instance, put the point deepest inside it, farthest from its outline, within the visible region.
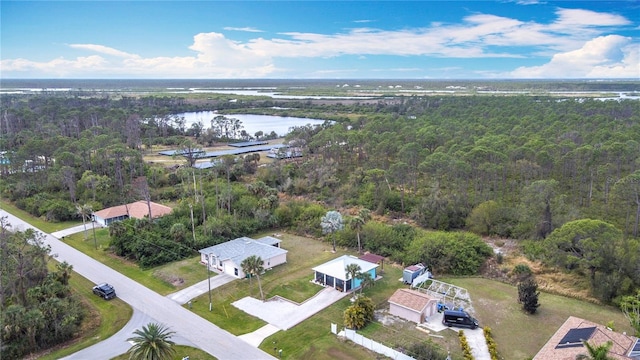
(228, 256)
(566, 343)
(333, 274)
(412, 305)
(136, 210)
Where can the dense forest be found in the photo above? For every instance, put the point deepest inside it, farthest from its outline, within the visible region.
(562, 176)
(38, 307)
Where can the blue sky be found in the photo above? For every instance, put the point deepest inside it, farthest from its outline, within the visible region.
(320, 39)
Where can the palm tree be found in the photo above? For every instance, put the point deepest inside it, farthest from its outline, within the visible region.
(253, 265)
(600, 352)
(152, 342)
(331, 223)
(365, 281)
(85, 212)
(352, 271)
(357, 223)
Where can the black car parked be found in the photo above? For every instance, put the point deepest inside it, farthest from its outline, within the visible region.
(105, 291)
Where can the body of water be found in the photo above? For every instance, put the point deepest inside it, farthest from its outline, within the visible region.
(251, 123)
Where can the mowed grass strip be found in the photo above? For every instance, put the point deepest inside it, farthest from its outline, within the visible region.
(519, 335)
(181, 353)
(102, 319)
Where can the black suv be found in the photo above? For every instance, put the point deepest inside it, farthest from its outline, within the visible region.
(105, 291)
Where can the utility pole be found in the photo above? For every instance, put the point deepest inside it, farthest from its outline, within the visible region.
(193, 225)
(209, 279)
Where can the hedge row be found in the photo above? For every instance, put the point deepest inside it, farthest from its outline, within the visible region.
(464, 344)
(491, 344)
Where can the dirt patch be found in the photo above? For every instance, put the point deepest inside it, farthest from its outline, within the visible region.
(169, 278)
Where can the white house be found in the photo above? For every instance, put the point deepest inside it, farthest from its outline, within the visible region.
(228, 256)
(333, 273)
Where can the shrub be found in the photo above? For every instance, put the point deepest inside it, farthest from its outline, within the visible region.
(528, 295)
(464, 344)
(522, 270)
(359, 314)
(426, 351)
(491, 344)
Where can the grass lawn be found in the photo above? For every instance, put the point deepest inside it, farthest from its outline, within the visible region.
(181, 352)
(164, 279)
(495, 304)
(290, 279)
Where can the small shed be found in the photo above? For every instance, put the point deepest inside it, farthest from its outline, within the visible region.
(412, 272)
(374, 259)
(412, 305)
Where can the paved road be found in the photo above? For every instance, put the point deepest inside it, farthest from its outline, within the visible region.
(200, 332)
(118, 344)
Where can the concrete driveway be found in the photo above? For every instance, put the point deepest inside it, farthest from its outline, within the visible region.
(475, 337)
(88, 226)
(183, 296)
(285, 314)
(198, 331)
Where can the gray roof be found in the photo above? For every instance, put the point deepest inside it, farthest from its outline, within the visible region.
(269, 240)
(241, 248)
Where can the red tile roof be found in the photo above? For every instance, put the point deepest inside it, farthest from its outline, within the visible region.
(372, 258)
(411, 299)
(137, 210)
(622, 344)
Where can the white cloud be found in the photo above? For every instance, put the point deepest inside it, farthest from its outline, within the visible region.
(611, 56)
(573, 40)
(580, 17)
(103, 50)
(247, 29)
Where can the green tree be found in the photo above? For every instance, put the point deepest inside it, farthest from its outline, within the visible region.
(330, 223)
(178, 232)
(489, 218)
(352, 271)
(630, 306)
(152, 342)
(253, 266)
(599, 352)
(627, 195)
(357, 222)
(365, 281)
(190, 151)
(593, 247)
(537, 212)
(528, 295)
